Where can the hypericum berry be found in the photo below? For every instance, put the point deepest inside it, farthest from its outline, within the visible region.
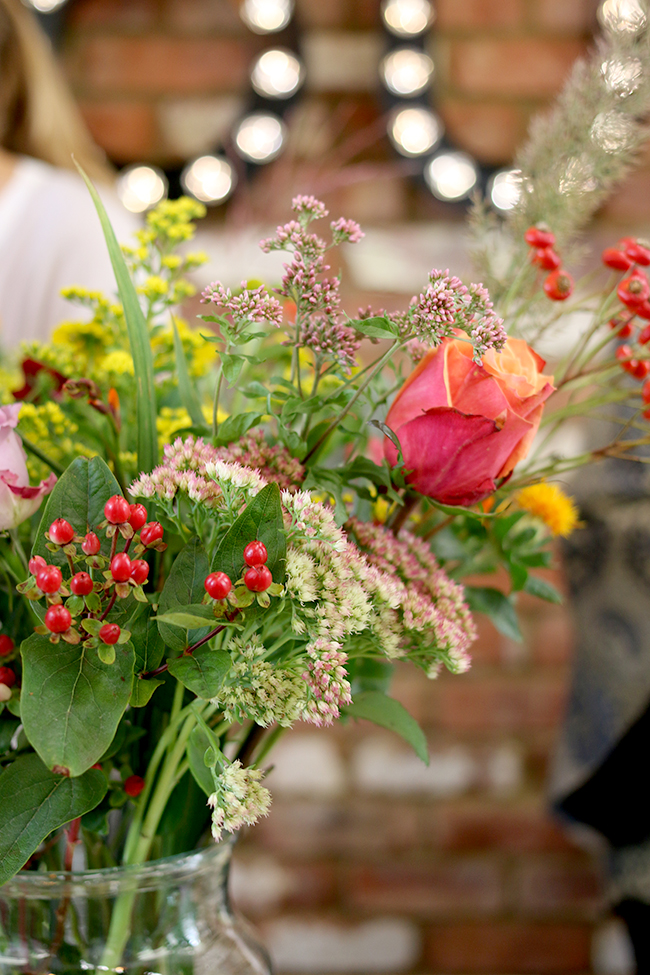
(152, 532)
(633, 290)
(134, 785)
(539, 236)
(558, 285)
(137, 516)
(624, 355)
(637, 252)
(645, 391)
(49, 579)
(218, 585)
(644, 336)
(81, 584)
(546, 258)
(58, 619)
(91, 544)
(139, 571)
(258, 578)
(623, 327)
(255, 553)
(617, 259)
(109, 633)
(116, 510)
(6, 645)
(641, 369)
(7, 676)
(36, 564)
(61, 532)
(121, 567)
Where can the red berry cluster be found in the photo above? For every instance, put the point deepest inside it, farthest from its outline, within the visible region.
(96, 580)
(257, 578)
(558, 285)
(633, 291)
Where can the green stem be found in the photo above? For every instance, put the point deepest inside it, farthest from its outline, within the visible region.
(215, 405)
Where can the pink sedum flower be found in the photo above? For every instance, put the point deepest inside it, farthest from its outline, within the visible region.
(18, 499)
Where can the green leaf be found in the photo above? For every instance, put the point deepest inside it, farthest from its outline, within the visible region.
(543, 590)
(497, 606)
(197, 746)
(389, 713)
(184, 585)
(79, 496)
(71, 702)
(254, 390)
(203, 671)
(295, 406)
(234, 427)
(261, 520)
(142, 691)
(232, 365)
(147, 641)
(34, 802)
(138, 332)
(186, 389)
(518, 574)
(324, 479)
(377, 327)
(187, 621)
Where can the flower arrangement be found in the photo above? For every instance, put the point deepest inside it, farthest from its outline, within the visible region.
(253, 520)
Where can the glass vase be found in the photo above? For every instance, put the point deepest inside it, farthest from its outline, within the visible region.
(167, 917)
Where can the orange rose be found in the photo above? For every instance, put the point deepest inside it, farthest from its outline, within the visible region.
(463, 426)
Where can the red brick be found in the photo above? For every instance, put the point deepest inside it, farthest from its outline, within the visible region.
(564, 15)
(470, 886)
(480, 825)
(472, 703)
(300, 885)
(542, 949)
(522, 67)
(204, 15)
(629, 205)
(125, 130)
(478, 15)
(550, 887)
(116, 14)
(491, 132)
(551, 637)
(488, 646)
(158, 65)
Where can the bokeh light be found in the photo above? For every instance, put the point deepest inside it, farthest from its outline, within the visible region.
(406, 71)
(451, 175)
(266, 16)
(406, 18)
(259, 137)
(141, 187)
(505, 188)
(627, 16)
(277, 74)
(210, 179)
(414, 131)
(45, 6)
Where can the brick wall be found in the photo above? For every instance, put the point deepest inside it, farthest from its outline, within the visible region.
(370, 862)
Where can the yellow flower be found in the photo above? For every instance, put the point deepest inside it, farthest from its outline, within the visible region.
(81, 337)
(118, 362)
(549, 503)
(154, 287)
(380, 510)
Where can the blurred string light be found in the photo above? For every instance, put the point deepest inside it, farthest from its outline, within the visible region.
(451, 176)
(259, 137)
(45, 6)
(406, 71)
(141, 187)
(266, 16)
(210, 179)
(623, 16)
(406, 18)
(504, 189)
(277, 73)
(414, 131)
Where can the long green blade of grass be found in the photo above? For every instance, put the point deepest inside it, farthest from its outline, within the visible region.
(186, 390)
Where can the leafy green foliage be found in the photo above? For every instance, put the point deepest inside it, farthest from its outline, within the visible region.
(388, 713)
(261, 520)
(35, 801)
(497, 606)
(186, 389)
(184, 585)
(203, 671)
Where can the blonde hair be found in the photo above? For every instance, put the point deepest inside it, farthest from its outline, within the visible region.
(38, 116)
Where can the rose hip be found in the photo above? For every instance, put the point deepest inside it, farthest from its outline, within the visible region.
(255, 553)
(91, 544)
(617, 259)
(6, 645)
(137, 516)
(638, 252)
(633, 290)
(109, 633)
(139, 571)
(81, 584)
(61, 532)
(539, 236)
(49, 579)
(218, 585)
(152, 532)
(121, 567)
(7, 676)
(134, 785)
(546, 258)
(58, 619)
(116, 510)
(258, 578)
(558, 285)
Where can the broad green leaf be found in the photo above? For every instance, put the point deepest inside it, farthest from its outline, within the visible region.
(367, 674)
(184, 585)
(188, 621)
(79, 496)
(147, 641)
(34, 802)
(497, 606)
(261, 520)
(71, 702)
(142, 691)
(254, 390)
(377, 327)
(139, 341)
(186, 389)
(234, 427)
(518, 574)
(232, 365)
(203, 671)
(197, 745)
(389, 713)
(542, 589)
(295, 406)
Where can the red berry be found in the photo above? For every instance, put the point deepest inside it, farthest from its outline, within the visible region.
(641, 369)
(6, 645)
(645, 391)
(255, 553)
(643, 310)
(152, 532)
(637, 252)
(218, 585)
(644, 336)
(646, 414)
(633, 290)
(624, 355)
(558, 285)
(547, 258)
(109, 633)
(617, 259)
(81, 584)
(258, 578)
(623, 326)
(61, 531)
(36, 564)
(121, 567)
(137, 516)
(91, 544)
(134, 785)
(116, 510)
(539, 236)
(58, 619)
(139, 571)
(7, 676)
(49, 579)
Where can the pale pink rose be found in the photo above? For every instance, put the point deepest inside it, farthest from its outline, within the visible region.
(18, 500)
